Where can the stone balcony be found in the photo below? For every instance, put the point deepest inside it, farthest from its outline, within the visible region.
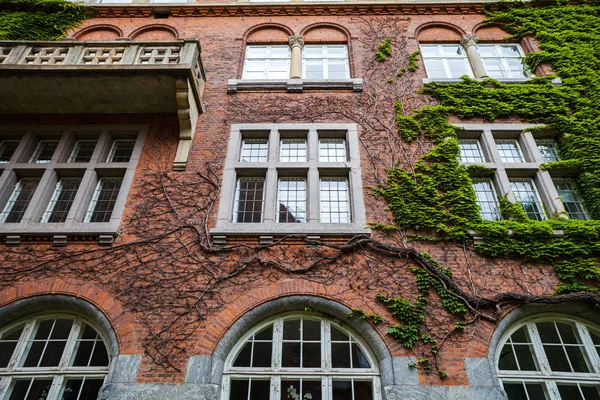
(70, 77)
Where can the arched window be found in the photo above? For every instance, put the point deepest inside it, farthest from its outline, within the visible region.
(52, 357)
(300, 357)
(549, 358)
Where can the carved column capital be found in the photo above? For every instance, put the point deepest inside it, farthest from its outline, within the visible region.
(467, 40)
(296, 41)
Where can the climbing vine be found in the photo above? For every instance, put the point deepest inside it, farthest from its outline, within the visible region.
(39, 19)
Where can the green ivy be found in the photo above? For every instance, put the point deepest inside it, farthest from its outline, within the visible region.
(39, 19)
(384, 50)
(435, 201)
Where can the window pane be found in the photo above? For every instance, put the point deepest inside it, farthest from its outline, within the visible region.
(290, 389)
(486, 200)
(121, 151)
(254, 150)
(243, 358)
(435, 69)
(526, 195)
(291, 329)
(311, 390)
(250, 200)
(104, 199)
(31, 389)
(267, 62)
(262, 354)
(19, 200)
(547, 149)
(524, 391)
(239, 389)
(340, 355)
(292, 150)
(334, 201)
(7, 149)
(342, 390)
(44, 151)
(290, 354)
(292, 200)
(311, 330)
(571, 200)
(82, 389)
(8, 343)
(509, 151)
(430, 50)
(311, 355)
(62, 200)
(332, 150)
(359, 359)
(83, 151)
(458, 67)
(259, 390)
(470, 151)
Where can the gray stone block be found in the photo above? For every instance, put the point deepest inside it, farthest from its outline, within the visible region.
(149, 391)
(403, 374)
(479, 372)
(443, 393)
(124, 368)
(198, 369)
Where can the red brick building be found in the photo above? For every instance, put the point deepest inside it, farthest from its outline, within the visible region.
(185, 188)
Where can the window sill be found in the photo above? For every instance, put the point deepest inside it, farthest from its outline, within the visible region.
(478, 237)
(293, 85)
(271, 229)
(59, 233)
(555, 81)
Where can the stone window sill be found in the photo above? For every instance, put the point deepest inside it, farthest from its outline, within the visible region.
(293, 85)
(478, 236)
(555, 81)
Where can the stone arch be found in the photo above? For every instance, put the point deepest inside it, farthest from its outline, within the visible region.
(489, 33)
(155, 32)
(325, 32)
(76, 296)
(268, 33)
(99, 32)
(438, 32)
(320, 305)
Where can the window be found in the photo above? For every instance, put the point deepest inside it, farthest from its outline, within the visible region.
(291, 200)
(509, 151)
(83, 151)
(103, 202)
(470, 152)
(44, 151)
(570, 198)
(486, 199)
(325, 62)
(71, 180)
(550, 359)
(335, 208)
(290, 179)
(249, 200)
(502, 60)
(62, 200)
(332, 150)
(513, 155)
(445, 61)
(526, 194)
(51, 358)
(547, 149)
(7, 149)
(300, 357)
(254, 150)
(19, 200)
(292, 150)
(121, 150)
(267, 62)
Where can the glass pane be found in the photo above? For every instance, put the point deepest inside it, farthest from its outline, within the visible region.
(525, 357)
(83, 353)
(557, 358)
(515, 391)
(567, 333)
(435, 69)
(429, 50)
(34, 353)
(311, 355)
(359, 360)
(280, 51)
(510, 50)
(313, 51)
(340, 355)
(290, 389)
(291, 329)
(363, 390)
(243, 358)
(311, 330)
(259, 390)
(569, 392)
(336, 334)
(239, 389)
(458, 68)
(548, 332)
(452, 50)
(256, 51)
(290, 355)
(53, 353)
(8, 343)
(265, 334)
(61, 330)
(487, 51)
(590, 392)
(336, 51)
(262, 354)
(38, 389)
(342, 390)
(577, 358)
(311, 390)
(494, 68)
(507, 361)
(100, 356)
(536, 391)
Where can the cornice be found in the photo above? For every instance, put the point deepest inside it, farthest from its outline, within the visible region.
(295, 9)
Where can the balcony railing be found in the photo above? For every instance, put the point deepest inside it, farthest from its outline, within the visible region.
(70, 77)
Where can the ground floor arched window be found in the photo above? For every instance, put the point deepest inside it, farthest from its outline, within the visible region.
(50, 357)
(550, 358)
(300, 357)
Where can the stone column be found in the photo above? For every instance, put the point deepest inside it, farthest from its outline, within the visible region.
(296, 43)
(469, 42)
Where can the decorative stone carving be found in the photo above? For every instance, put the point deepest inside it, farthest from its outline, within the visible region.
(467, 40)
(296, 43)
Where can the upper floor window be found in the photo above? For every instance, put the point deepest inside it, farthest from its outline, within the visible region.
(445, 61)
(547, 149)
(503, 60)
(267, 62)
(486, 199)
(509, 151)
(550, 358)
(292, 178)
(51, 358)
(70, 180)
(570, 198)
(470, 151)
(325, 62)
(527, 195)
(300, 357)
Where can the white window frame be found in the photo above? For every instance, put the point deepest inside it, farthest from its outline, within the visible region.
(50, 173)
(63, 371)
(237, 199)
(506, 72)
(267, 60)
(279, 200)
(495, 196)
(578, 199)
(551, 142)
(476, 142)
(538, 200)
(325, 59)
(276, 372)
(444, 59)
(545, 375)
(312, 170)
(517, 147)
